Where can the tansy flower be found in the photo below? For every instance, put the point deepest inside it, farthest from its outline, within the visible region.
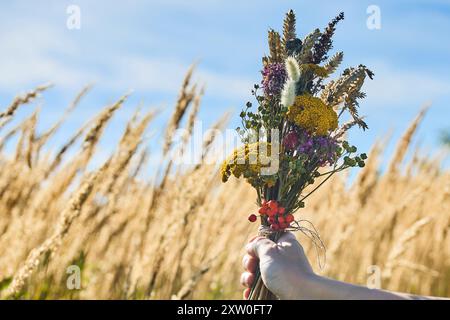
(247, 161)
(313, 115)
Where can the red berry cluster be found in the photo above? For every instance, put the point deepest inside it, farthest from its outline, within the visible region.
(275, 213)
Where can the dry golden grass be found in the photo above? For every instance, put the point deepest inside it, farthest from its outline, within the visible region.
(183, 238)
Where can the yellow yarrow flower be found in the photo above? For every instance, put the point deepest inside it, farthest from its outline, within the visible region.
(246, 162)
(313, 115)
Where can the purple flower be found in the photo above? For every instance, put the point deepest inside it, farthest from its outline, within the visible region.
(274, 77)
(320, 149)
(326, 149)
(290, 141)
(306, 142)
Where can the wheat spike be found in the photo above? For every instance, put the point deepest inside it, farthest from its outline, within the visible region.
(405, 141)
(184, 99)
(8, 114)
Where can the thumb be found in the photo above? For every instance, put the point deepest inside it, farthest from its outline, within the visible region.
(260, 246)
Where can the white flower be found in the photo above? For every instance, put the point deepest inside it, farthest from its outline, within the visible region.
(293, 69)
(288, 93)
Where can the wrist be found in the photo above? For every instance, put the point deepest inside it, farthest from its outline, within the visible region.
(304, 288)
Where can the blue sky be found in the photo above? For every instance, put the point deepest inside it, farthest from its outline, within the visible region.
(148, 45)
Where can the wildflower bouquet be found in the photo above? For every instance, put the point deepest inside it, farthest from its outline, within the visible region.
(293, 142)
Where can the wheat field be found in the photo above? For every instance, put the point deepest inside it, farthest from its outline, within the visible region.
(181, 235)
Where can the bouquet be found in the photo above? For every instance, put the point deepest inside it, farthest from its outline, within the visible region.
(293, 140)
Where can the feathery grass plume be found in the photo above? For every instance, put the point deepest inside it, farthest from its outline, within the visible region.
(366, 180)
(141, 163)
(122, 157)
(53, 242)
(131, 123)
(29, 152)
(63, 149)
(185, 98)
(191, 119)
(96, 131)
(293, 69)
(43, 138)
(289, 90)
(401, 245)
(8, 114)
(325, 42)
(188, 287)
(19, 127)
(27, 126)
(289, 28)
(189, 129)
(288, 93)
(113, 184)
(4, 140)
(405, 141)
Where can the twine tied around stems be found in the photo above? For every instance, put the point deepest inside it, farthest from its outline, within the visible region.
(308, 230)
(265, 231)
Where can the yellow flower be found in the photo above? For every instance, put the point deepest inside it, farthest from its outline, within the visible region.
(315, 69)
(246, 162)
(313, 115)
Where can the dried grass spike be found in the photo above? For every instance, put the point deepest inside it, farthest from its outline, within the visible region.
(275, 48)
(289, 32)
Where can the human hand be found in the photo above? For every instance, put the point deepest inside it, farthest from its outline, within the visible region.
(284, 267)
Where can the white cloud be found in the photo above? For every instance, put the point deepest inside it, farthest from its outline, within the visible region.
(36, 53)
(403, 87)
(165, 75)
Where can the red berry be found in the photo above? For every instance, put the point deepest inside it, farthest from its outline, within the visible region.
(252, 217)
(262, 210)
(273, 205)
(274, 227)
(289, 218)
(284, 225)
(271, 213)
(271, 220)
(281, 219)
(281, 210)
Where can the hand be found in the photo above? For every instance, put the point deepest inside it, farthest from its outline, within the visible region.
(287, 273)
(284, 267)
